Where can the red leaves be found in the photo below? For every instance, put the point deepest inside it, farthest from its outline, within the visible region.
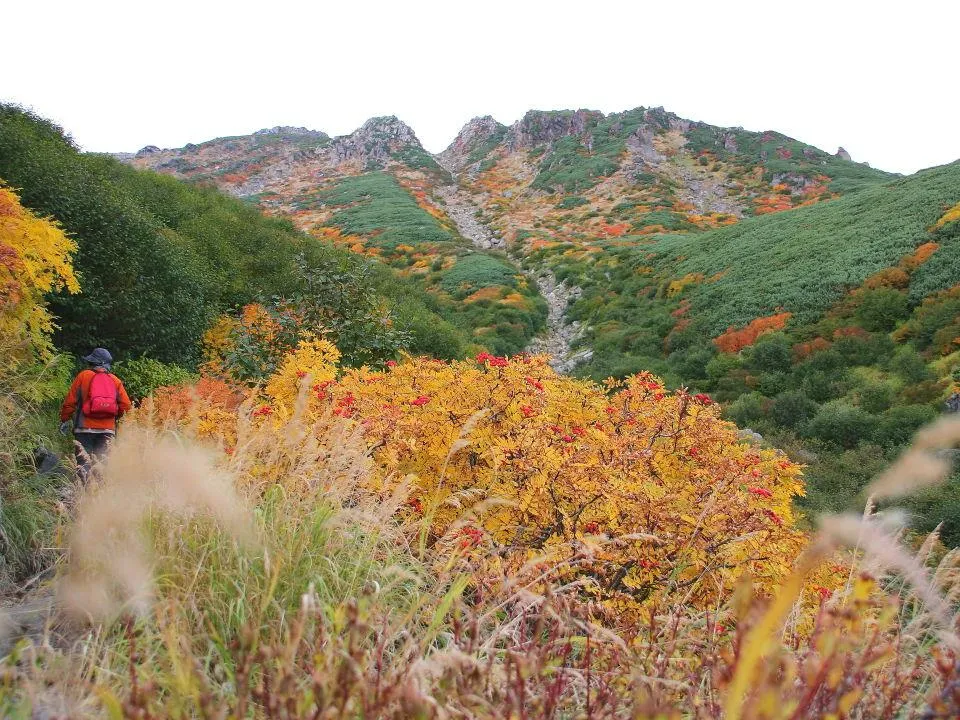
(492, 360)
(773, 516)
(421, 400)
(263, 411)
(760, 492)
(616, 230)
(345, 405)
(591, 527)
(470, 537)
(527, 410)
(534, 383)
(703, 399)
(391, 363)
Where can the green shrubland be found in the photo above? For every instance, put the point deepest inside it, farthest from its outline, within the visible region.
(158, 258)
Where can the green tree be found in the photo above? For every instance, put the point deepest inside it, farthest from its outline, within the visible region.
(840, 424)
(880, 310)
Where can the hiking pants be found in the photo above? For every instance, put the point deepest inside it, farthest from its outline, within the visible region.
(93, 448)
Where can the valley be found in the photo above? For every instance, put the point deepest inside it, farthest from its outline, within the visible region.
(643, 241)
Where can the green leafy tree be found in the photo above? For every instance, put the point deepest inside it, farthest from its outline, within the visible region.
(881, 309)
(840, 424)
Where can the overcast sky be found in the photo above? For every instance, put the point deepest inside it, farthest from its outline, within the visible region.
(121, 75)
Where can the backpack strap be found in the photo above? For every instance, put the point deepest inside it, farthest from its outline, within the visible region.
(78, 413)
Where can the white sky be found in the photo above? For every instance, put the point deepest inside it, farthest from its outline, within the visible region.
(120, 75)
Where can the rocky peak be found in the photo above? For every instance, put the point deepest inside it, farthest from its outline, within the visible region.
(148, 150)
(471, 138)
(285, 131)
(540, 127)
(375, 142)
(843, 154)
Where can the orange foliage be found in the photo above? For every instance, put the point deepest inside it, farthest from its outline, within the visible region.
(734, 340)
(209, 406)
(652, 230)
(850, 331)
(629, 489)
(919, 256)
(487, 293)
(889, 278)
(515, 299)
(806, 349)
(614, 230)
(766, 204)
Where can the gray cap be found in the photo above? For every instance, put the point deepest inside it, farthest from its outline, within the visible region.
(100, 357)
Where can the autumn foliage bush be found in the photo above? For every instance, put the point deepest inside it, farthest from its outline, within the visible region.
(734, 340)
(633, 491)
(35, 259)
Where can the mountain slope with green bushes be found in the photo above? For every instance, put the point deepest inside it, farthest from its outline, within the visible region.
(159, 259)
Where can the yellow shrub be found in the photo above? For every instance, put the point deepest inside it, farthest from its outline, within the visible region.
(35, 259)
(634, 491)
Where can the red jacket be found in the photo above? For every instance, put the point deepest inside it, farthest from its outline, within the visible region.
(73, 404)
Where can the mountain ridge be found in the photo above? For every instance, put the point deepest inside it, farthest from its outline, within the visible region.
(463, 138)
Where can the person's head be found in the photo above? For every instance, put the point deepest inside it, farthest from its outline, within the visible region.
(100, 357)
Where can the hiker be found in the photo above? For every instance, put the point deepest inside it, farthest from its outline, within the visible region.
(95, 401)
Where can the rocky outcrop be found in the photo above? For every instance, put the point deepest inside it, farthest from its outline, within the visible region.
(375, 142)
(640, 145)
(560, 336)
(843, 155)
(147, 151)
(290, 131)
(471, 138)
(729, 142)
(539, 127)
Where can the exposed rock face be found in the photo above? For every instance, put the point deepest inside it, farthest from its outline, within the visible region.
(289, 130)
(640, 143)
(843, 154)
(558, 341)
(471, 137)
(374, 142)
(952, 405)
(729, 142)
(148, 150)
(538, 127)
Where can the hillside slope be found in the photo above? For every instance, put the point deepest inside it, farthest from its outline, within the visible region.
(814, 296)
(380, 194)
(158, 259)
